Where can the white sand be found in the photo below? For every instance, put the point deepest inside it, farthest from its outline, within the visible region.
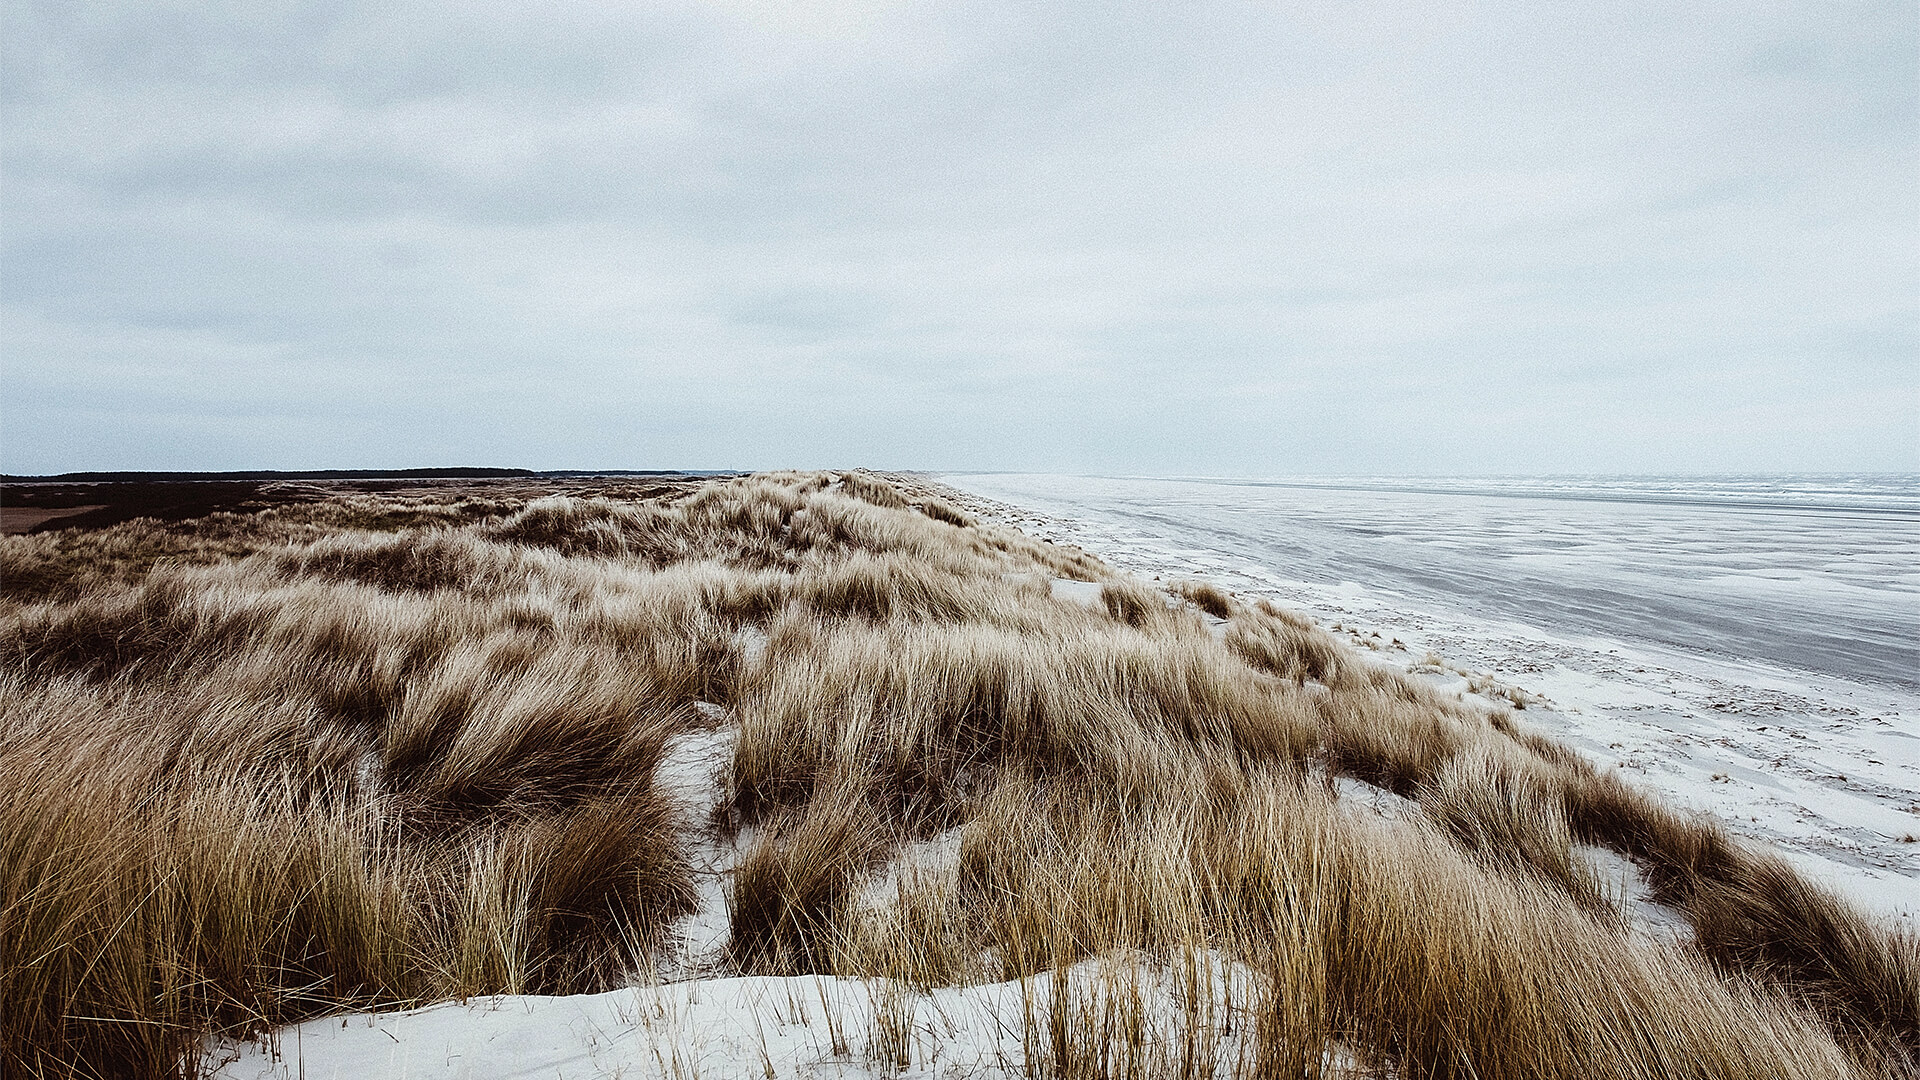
(743, 1027)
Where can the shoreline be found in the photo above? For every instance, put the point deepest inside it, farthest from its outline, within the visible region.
(1818, 767)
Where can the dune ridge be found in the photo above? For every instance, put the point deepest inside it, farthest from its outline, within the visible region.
(383, 749)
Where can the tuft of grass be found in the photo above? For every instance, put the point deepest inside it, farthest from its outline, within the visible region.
(1507, 808)
(1284, 644)
(1208, 597)
(874, 489)
(791, 892)
(941, 510)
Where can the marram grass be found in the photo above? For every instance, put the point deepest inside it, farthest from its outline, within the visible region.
(383, 750)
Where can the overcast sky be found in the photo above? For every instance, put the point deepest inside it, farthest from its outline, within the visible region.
(1248, 239)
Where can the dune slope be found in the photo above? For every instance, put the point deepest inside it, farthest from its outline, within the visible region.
(384, 750)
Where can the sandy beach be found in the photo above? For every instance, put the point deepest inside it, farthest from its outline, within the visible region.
(1748, 648)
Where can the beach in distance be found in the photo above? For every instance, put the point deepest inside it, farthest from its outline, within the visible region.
(1750, 644)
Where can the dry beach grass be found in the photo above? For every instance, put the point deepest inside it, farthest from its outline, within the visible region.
(385, 748)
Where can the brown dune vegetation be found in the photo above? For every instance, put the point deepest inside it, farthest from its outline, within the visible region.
(383, 749)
